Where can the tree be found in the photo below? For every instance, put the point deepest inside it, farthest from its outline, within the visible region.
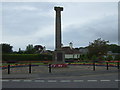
(30, 49)
(103, 58)
(98, 47)
(117, 57)
(82, 57)
(38, 47)
(6, 48)
(114, 48)
(94, 58)
(20, 51)
(109, 58)
(85, 57)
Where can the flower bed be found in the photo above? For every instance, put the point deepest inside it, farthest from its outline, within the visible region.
(17, 65)
(112, 61)
(59, 65)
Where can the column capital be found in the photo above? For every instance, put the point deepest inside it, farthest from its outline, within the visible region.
(58, 8)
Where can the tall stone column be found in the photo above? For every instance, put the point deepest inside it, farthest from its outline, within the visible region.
(58, 27)
(58, 53)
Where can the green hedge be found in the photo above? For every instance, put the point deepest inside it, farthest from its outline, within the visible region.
(26, 57)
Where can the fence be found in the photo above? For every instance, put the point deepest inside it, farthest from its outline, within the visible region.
(52, 68)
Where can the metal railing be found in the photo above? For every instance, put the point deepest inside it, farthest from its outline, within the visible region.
(49, 67)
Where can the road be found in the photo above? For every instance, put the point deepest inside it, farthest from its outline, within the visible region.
(108, 80)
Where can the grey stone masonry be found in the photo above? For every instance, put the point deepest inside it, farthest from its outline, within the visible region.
(58, 27)
(58, 53)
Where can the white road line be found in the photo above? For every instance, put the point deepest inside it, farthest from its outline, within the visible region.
(58, 81)
(105, 80)
(52, 80)
(92, 80)
(78, 80)
(5, 80)
(39, 81)
(65, 81)
(117, 80)
(27, 80)
(16, 80)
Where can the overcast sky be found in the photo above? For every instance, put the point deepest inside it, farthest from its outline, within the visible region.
(82, 22)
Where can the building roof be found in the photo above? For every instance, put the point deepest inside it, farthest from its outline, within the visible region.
(68, 50)
(111, 53)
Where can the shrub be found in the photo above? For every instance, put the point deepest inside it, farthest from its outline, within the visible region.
(26, 57)
(109, 58)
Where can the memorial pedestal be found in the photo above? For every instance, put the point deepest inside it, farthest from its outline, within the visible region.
(59, 57)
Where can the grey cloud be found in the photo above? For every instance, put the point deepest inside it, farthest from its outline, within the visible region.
(19, 22)
(48, 41)
(82, 23)
(105, 28)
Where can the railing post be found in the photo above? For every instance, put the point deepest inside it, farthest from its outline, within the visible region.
(9, 69)
(107, 65)
(93, 65)
(118, 65)
(49, 68)
(29, 68)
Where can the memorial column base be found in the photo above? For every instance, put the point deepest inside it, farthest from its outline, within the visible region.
(58, 57)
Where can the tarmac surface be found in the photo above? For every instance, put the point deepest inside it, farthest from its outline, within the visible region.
(71, 77)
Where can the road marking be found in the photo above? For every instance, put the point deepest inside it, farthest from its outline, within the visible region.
(105, 80)
(52, 80)
(5, 80)
(59, 81)
(117, 80)
(16, 80)
(39, 80)
(65, 81)
(78, 80)
(92, 80)
(27, 80)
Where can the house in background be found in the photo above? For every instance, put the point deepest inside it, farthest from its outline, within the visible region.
(110, 53)
(42, 50)
(71, 52)
(83, 51)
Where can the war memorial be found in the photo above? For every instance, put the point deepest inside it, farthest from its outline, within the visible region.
(58, 54)
(74, 76)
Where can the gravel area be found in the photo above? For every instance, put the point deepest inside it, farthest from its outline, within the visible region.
(44, 69)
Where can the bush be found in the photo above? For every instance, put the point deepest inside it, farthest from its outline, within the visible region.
(109, 58)
(94, 58)
(117, 57)
(26, 57)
